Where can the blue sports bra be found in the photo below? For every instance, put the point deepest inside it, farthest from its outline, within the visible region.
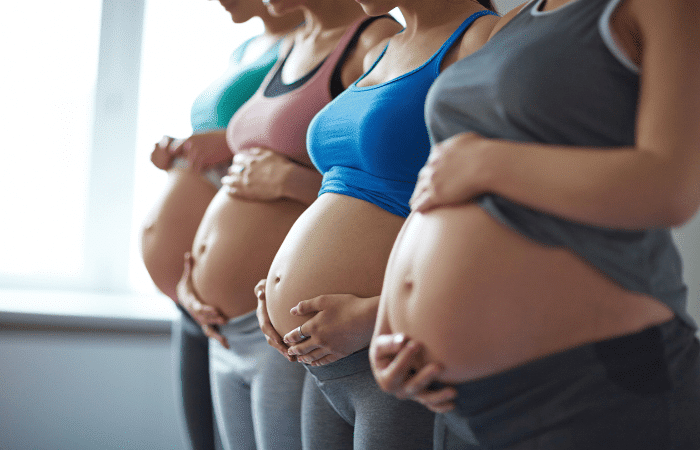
(370, 142)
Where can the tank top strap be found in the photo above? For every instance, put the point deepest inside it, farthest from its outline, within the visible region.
(333, 57)
(447, 45)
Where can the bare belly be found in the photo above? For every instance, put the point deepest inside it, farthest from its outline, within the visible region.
(234, 246)
(170, 226)
(483, 299)
(340, 245)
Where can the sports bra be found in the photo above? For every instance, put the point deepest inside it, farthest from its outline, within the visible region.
(215, 106)
(371, 141)
(559, 77)
(278, 120)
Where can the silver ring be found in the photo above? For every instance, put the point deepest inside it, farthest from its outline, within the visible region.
(301, 335)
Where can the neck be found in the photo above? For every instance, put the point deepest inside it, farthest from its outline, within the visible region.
(423, 16)
(279, 26)
(323, 15)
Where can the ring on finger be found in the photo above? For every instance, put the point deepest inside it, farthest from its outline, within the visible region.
(302, 335)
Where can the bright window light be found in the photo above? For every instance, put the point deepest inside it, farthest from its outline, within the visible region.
(49, 51)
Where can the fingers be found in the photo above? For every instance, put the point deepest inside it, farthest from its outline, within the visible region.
(202, 313)
(420, 381)
(438, 401)
(310, 353)
(297, 335)
(306, 307)
(210, 315)
(260, 289)
(392, 377)
(333, 357)
(271, 335)
(213, 333)
(387, 345)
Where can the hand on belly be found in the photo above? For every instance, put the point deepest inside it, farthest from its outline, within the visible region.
(337, 325)
(208, 317)
(400, 369)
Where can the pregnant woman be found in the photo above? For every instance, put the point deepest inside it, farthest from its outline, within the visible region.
(195, 166)
(370, 144)
(256, 391)
(555, 333)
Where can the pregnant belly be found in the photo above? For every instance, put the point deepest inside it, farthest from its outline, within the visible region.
(483, 299)
(340, 245)
(234, 246)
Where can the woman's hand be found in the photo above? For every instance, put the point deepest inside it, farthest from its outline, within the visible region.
(398, 367)
(258, 174)
(203, 150)
(162, 154)
(272, 336)
(454, 173)
(338, 325)
(208, 317)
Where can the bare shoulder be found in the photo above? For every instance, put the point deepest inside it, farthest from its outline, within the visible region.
(373, 54)
(477, 35)
(377, 34)
(368, 47)
(679, 17)
(287, 43)
(506, 18)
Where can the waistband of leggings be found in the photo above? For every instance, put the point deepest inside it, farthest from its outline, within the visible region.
(245, 324)
(351, 364)
(585, 360)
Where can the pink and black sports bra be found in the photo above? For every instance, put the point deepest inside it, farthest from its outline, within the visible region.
(278, 114)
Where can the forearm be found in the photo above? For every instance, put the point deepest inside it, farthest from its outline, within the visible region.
(220, 151)
(609, 187)
(301, 184)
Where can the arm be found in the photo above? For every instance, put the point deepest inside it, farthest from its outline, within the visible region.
(656, 183)
(261, 174)
(338, 325)
(162, 154)
(203, 150)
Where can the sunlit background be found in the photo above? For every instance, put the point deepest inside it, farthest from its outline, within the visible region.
(88, 87)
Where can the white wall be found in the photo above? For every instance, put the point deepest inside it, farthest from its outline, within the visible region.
(86, 390)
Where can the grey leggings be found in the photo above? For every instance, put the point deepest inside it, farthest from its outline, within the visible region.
(354, 413)
(636, 392)
(256, 392)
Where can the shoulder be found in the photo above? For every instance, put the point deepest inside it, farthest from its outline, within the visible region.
(369, 45)
(377, 34)
(477, 34)
(507, 18)
(681, 16)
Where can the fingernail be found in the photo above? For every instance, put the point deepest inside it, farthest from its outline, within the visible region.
(294, 311)
(399, 338)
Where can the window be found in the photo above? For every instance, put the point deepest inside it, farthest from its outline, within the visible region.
(83, 103)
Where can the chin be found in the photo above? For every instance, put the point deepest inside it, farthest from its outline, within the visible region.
(279, 8)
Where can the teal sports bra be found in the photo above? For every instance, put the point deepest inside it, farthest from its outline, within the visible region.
(215, 106)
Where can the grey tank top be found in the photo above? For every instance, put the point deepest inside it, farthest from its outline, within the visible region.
(558, 77)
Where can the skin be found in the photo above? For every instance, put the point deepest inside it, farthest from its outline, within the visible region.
(507, 309)
(264, 193)
(170, 226)
(326, 278)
